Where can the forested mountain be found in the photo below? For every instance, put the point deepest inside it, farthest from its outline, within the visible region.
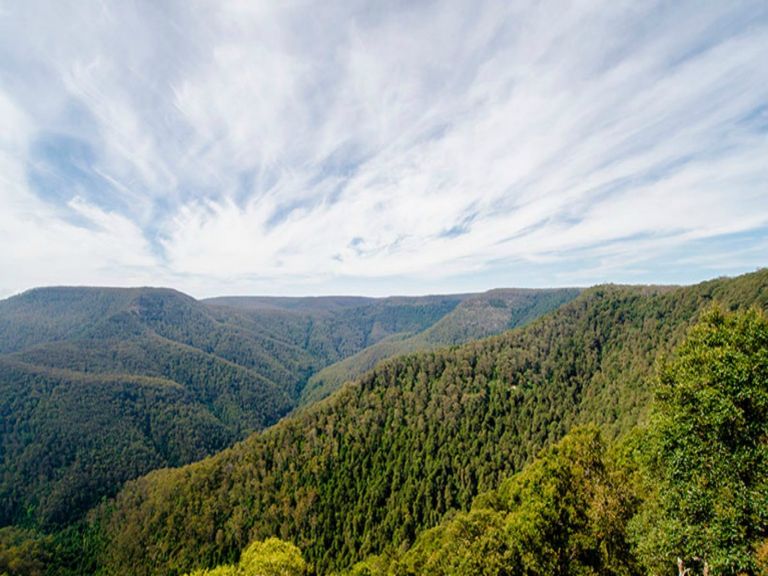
(365, 471)
(337, 327)
(477, 316)
(50, 314)
(101, 385)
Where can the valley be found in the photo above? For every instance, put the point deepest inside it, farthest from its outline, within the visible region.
(357, 478)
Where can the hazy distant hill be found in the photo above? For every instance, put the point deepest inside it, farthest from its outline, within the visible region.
(100, 385)
(477, 316)
(308, 304)
(346, 323)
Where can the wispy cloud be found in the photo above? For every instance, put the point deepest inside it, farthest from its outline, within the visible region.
(343, 146)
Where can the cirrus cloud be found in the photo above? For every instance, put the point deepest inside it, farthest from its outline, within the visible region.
(346, 147)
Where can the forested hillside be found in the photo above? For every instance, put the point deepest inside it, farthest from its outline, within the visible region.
(100, 385)
(687, 492)
(477, 316)
(336, 327)
(50, 314)
(387, 456)
(112, 383)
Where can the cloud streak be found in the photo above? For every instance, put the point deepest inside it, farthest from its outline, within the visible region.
(323, 147)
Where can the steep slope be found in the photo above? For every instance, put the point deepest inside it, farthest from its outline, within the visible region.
(338, 327)
(119, 382)
(239, 397)
(565, 514)
(477, 316)
(387, 456)
(69, 439)
(689, 487)
(158, 368)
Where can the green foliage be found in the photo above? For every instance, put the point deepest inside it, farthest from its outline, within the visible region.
(385, 458)
(223, 570)
(98, 386)
(387, 472)
(697, 474)
(272, 557)
(70, 552)
(23, 552)
(70, 439)
(477, 316)
(51, 314)
(707, 450)
(338, 327)
(565, 514)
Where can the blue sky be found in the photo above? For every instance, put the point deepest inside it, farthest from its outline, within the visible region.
(235, 147)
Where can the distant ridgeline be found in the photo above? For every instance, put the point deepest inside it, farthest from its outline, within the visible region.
(362, 474)
(100, 385)
(477, 316)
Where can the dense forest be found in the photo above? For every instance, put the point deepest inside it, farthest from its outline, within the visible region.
(475, 317)
(388, 456)
(98, 386)
(614, 435)
(687, 490)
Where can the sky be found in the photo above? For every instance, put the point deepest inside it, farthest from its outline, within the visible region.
(298, 148)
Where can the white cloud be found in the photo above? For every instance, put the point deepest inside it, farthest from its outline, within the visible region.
(282, 146)
(40, 246)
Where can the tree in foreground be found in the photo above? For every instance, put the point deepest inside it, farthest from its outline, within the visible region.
(707, 459)
(702, 478)
(272, 557)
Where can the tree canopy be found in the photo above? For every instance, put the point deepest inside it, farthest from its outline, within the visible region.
(708, 449)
